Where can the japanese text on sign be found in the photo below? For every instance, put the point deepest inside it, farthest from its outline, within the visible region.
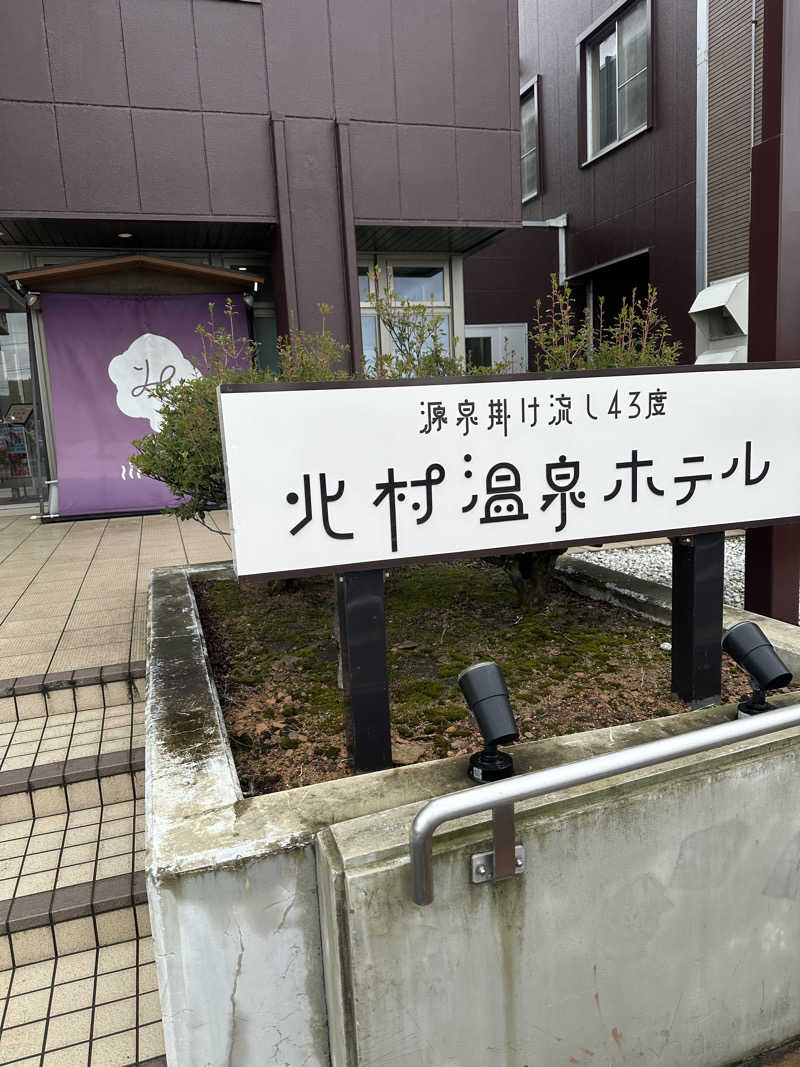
(338, 477)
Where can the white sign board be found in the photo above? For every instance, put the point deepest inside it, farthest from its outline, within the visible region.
(364, 475)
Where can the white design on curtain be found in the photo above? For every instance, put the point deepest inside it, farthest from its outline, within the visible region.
(148, 361)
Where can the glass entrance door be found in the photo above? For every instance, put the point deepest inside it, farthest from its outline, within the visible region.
(19, 480)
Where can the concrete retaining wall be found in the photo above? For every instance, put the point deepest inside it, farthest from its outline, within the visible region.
(657, 921)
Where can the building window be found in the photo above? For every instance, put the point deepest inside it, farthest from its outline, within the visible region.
(419, 280)
(529, 139)
(614, 68)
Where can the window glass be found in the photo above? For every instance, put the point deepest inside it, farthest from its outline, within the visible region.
(633, 104)
(604, 92)
(616, 70)
(530, 176)
(529, 124)
(369, 341)
(444, 332)
(363, 284)
(420, 284)
(632, 34)
(479, 351)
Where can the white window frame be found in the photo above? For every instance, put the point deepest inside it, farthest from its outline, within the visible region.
(588, 45)
(531, 91)
(452, 305)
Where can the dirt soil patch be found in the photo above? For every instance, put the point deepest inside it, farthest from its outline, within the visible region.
(574, 666)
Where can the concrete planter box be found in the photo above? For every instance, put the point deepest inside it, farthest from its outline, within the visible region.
(656, 922)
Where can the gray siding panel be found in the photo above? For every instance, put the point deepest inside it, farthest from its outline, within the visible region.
(729, 103)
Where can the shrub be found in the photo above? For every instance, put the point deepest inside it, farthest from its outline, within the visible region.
(638, 337)
(421, 347)
(186, 453)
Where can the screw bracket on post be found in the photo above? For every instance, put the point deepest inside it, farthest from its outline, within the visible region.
(482, 865)
(507, 858)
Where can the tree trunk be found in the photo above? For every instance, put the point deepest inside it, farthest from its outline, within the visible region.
(531, 575)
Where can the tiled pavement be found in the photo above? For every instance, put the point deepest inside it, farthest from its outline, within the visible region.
(78, 984)
(73, 595)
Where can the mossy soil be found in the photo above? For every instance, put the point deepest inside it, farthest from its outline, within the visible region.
(575, 665)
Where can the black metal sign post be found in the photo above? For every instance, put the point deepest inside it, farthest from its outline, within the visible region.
(698, 564)
(362, 637)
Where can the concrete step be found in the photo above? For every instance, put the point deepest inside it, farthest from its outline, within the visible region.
(73, 863)
(63, 1002)
(77, 978)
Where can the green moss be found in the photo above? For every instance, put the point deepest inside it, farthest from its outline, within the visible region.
(564, 665)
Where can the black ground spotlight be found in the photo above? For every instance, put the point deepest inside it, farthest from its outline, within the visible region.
(747, 644)
(485, 691)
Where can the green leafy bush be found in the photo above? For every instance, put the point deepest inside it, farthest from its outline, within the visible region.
(638, 337)
(420, 345)
(186, 453)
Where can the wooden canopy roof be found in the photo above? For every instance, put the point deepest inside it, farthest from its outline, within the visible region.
(114, 264)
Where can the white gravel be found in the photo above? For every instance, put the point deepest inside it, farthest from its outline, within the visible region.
(654, 563)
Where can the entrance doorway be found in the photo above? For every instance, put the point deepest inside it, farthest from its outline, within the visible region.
(19, 477)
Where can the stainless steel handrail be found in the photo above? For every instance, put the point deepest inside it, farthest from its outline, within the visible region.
(501, 796)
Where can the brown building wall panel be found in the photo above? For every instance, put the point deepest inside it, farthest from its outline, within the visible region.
(84, 39)
(639, 196)
(30, 165)
(730, 97)
(240, 164)
(363, 64)
(184, 74)
(98, 158)
(428, 174)
(316, 223)
(172, 168)
(482, 38)
(485, 175)
(376, 171)
(160, 53)
(299, 58)
(231, 59)
(423, 60)
(24, 71)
